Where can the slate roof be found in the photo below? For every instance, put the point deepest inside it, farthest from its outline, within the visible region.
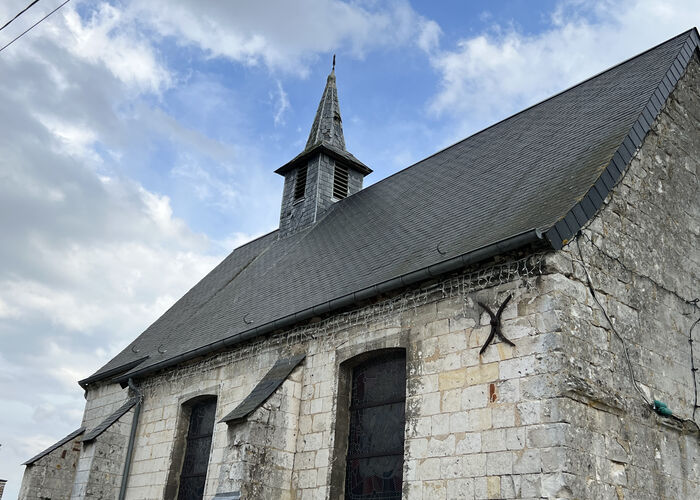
(110, 420)
(541, 172)
(327, 126)
(55, 446)
(264, 389)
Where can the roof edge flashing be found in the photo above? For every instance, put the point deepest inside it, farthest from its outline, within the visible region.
(264, 389)
(111, 419)
(112, 372)
(566, 228)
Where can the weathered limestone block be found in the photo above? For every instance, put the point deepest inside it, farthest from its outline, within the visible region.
(52, 475)
(641, 253)
(101, 462)
(259, 457)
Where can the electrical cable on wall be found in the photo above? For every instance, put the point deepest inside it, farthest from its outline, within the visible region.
(612, 327)
(692, 363)
(658, 406)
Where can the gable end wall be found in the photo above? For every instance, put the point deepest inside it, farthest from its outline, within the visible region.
(642, 252)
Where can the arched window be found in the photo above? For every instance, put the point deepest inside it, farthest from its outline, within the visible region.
(374, 462)
(197, 445)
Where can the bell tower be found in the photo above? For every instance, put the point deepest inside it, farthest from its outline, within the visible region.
(324, 173)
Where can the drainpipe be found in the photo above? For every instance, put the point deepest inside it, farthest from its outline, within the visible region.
(132, 439)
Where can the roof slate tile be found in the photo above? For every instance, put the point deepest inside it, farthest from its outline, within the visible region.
(524, 173)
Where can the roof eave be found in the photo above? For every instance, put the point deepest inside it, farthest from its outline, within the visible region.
(111, 373)
(321, 147)
(527, 238)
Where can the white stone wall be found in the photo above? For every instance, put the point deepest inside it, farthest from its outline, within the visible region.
(101, 461)
(481, 426)
(642, 252)
(474, 425)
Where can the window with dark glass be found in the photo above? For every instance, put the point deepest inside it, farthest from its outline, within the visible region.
(374, 466)
(197, 447)
(340, 181)
(300, 183)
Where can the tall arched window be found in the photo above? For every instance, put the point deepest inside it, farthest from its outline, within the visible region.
(197, 446)
(374, 462)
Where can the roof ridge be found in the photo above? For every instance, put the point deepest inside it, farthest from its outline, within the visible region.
(530, 107)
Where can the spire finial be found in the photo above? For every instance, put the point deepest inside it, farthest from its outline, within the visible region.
(328, 126)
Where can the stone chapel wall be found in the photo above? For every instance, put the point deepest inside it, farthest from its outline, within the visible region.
(643, 256)
(476, 427)
(101, 463)
(52, 475)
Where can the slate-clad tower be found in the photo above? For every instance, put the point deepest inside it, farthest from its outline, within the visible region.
(324, 172)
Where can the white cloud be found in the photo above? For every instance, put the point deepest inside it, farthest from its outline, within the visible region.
(106, 39)
(493, 74)
(284, 35)
(206, 185)
(429, 36)
(281, 104)
(89, 256)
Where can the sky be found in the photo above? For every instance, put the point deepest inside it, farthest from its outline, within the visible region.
(138, 144)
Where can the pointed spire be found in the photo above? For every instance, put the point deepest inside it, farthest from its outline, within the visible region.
(328, 125)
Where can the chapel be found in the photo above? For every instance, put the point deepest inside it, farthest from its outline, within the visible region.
(511, 317)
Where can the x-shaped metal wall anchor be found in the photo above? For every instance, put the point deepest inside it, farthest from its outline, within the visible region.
(495, 324)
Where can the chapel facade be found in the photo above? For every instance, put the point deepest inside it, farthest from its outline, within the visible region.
(511, 317)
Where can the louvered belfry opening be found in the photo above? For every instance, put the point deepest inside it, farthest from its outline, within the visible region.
(340, 181)
(374, 466)
(323, 173)
(300, 183)
(198, 446)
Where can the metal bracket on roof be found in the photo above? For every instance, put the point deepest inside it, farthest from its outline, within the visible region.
(495, 324)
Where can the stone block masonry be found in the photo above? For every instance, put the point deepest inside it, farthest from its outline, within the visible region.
(481, 426)
(52, 475)
(642, 255)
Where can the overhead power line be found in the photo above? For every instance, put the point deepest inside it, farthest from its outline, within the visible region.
(32, 26)
(19, 14)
